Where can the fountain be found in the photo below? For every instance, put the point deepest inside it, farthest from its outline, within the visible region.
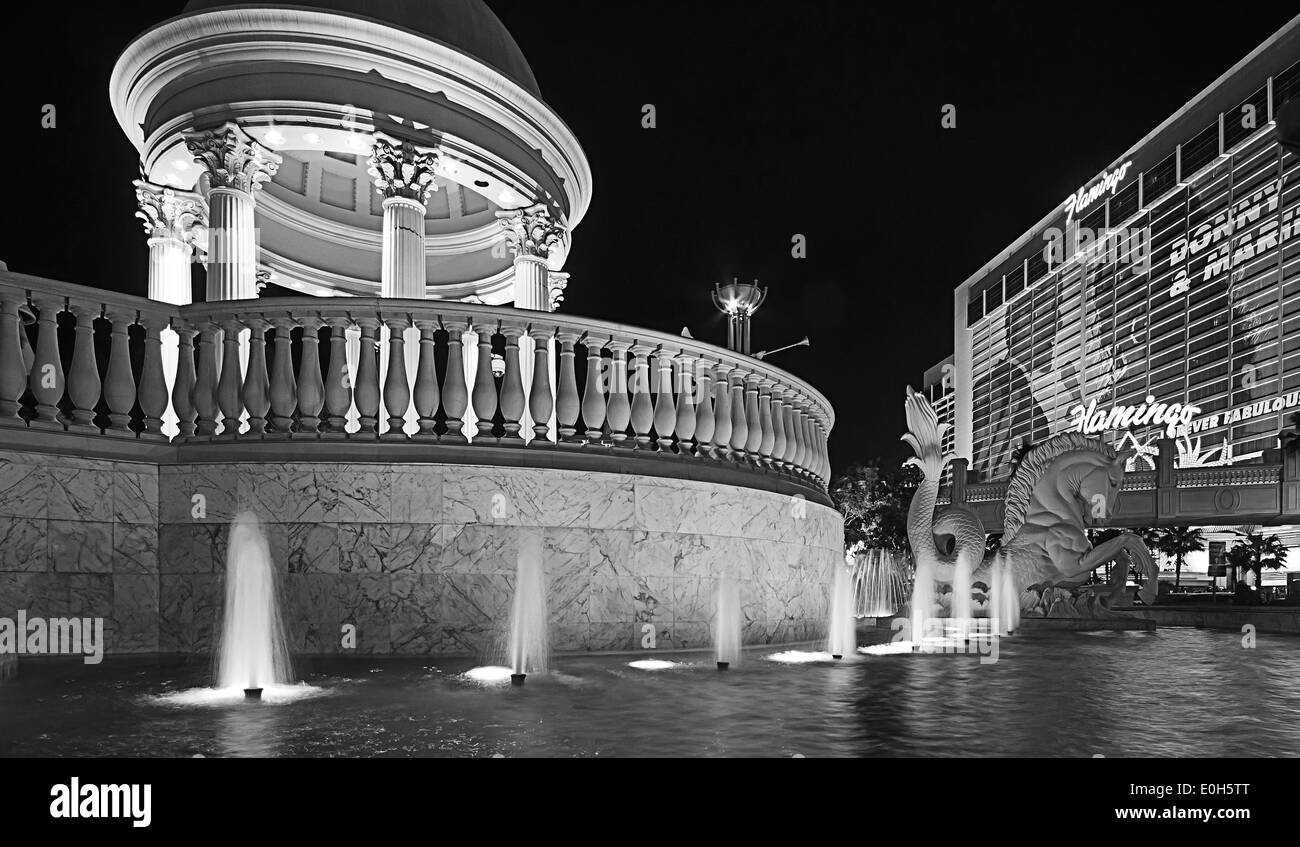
(726, 624)
(528, 649)
(254, 653)
(961, 608)
(879, 586)
(842, 630)
(923, 598)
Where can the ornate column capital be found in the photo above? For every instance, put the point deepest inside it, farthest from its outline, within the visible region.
(167, 213)
(400, 170)
(532, 232)
(233, 160)
(556, 282)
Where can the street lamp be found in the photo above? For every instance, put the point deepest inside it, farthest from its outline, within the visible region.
(738, 301)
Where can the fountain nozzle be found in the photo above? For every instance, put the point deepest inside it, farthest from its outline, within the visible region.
(722, 666)
(252, 694)
(518, 678)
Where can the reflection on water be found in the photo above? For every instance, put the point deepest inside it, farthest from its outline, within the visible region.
(1170, 693)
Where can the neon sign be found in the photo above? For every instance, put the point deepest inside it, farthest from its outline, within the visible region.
(1174, 416)
(1080, 200)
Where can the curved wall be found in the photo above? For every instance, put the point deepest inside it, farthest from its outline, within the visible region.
(420, 558)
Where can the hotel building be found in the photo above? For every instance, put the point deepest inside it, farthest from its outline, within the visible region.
(1160, 299)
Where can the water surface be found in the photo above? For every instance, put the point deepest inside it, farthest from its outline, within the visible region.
(1175, 692)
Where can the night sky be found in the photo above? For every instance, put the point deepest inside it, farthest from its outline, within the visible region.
(815, 118)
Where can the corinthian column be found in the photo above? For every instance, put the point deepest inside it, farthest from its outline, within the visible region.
(237, 166)
(170, 218)
(404, 176)
(531, 235)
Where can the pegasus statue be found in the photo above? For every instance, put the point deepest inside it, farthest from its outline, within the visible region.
(1057, 491)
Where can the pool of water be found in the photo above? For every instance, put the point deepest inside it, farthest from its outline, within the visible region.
(1176, 692)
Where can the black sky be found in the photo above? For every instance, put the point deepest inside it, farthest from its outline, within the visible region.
(817, 118)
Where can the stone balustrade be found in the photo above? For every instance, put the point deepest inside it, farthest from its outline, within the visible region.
(423, 373)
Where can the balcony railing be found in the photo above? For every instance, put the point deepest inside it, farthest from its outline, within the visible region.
(416, 372)
(1265, 492)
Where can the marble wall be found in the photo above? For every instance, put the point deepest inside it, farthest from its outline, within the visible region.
(419, 559)
(80, 537)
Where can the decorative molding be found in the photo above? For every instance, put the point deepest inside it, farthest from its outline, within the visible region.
(175, 49)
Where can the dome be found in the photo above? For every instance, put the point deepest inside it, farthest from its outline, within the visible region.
(466, 25)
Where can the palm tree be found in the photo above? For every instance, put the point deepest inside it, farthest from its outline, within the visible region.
(1178, 541)
(1258, 551)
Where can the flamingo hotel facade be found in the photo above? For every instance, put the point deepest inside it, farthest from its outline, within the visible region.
(1159, 300)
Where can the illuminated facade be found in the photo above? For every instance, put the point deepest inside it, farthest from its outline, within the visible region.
(1161, 299)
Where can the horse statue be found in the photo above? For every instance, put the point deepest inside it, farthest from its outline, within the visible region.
(1058, 490)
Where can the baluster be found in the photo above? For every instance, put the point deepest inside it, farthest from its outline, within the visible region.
(153, 382)
(778, 425)
(338, 381)
(366, 390)
(284, 388)
(512, 384)
(567, 404)
(755, 436)
(485, 385)
(257, 383)
(205, 384)
(397, 388)
(593, 392)
(739, 420)
(46, 374)
(703, 407)
(311, 386)
(665, 410)
(768, 442)
(119, 388)
(619, 409)
(13, 371)
(183, 390)
(721, 414)
(685, 425)
(791, 436)
(426, 380)
(540, 402)
(643, 415)
(230, 388)
(455, 394)
(819, 439)
(801, 452)
(810, 456)
(84, 385)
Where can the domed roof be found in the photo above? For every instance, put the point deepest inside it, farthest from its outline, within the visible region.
(466, 25)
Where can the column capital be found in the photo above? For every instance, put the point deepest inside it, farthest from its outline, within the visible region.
(556, 282)
(232, 158)
(532, 233)
(167, 213)
(401, 170)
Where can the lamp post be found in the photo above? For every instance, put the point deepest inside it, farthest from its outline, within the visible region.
(738, 301)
